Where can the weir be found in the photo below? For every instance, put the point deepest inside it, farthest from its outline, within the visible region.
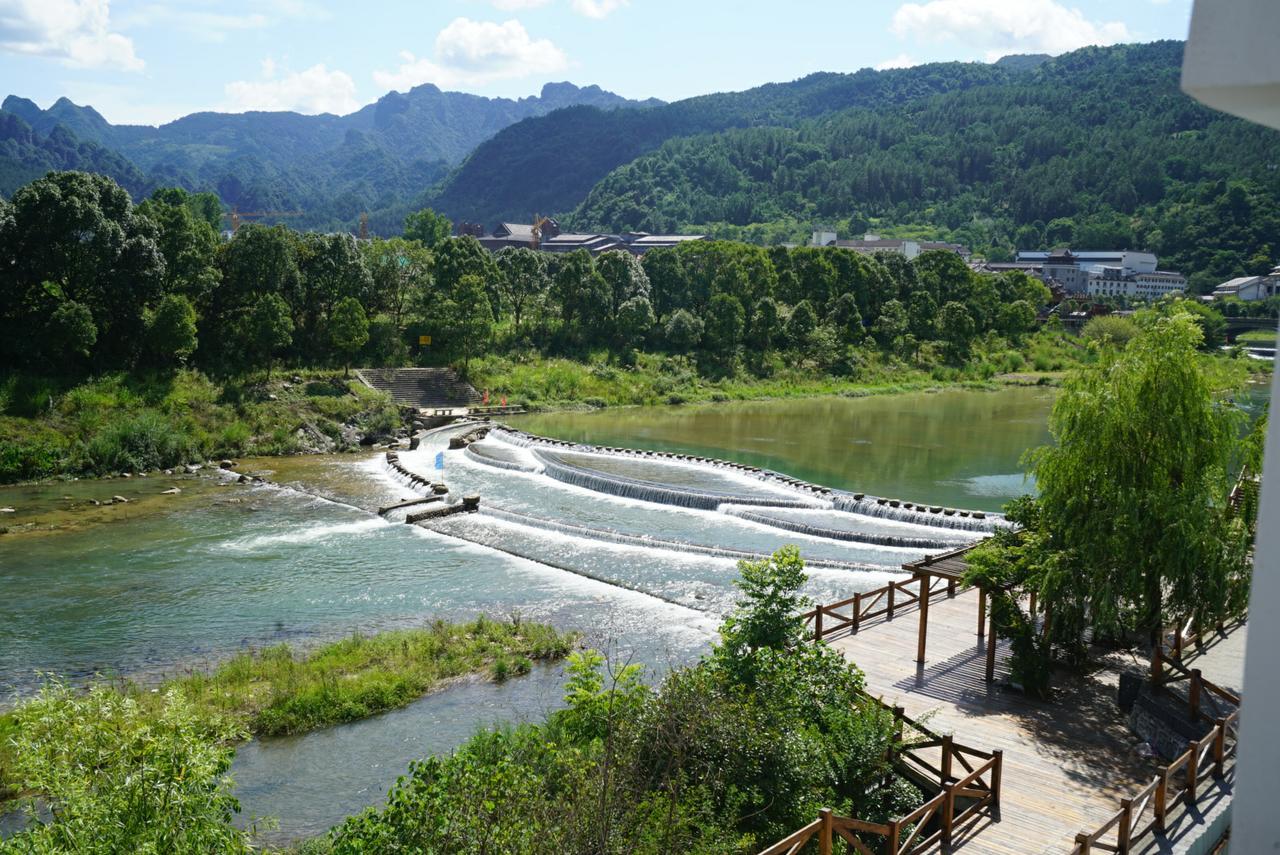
(872, 538)
(648, 491)
(937, 516)
(615, 536)
(814, 495)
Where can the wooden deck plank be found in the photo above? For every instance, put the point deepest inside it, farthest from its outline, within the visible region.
(1066, 762)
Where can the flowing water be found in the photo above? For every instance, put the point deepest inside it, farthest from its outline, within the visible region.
(637, 551)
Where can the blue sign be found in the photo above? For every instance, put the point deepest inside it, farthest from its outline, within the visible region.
(440, 460)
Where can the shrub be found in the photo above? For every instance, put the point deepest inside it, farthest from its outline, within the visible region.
(136, 444)
(1109, 329)
(124, 779)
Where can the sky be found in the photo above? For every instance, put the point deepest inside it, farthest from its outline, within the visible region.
(147, 62)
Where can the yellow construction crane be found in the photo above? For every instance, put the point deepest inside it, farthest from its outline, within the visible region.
(538, 222)
(237, 216)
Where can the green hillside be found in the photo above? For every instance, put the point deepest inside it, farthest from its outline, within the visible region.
(1097, 147)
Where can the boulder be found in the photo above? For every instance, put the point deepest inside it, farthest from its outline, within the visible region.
(226, 464)
(119, 500)
(172, 491)
(8, 510)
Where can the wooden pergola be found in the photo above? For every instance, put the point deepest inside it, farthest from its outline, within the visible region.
(950, 566)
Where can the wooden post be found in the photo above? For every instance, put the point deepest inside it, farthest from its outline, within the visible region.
(997, 773)
(1177, 643)
(895, 836)
(1126, 826)
(946, 759)
(1193, 699)
(982, 612)
(924, 618)
(1158, 806)
(951, 587)
(948, 814)
(991, 648)
(892, 590)
(1157, 664)
(857, 607)
(1219, 747)
(1082, 844)
(817, 624)
(824, 836)
(1193, 772)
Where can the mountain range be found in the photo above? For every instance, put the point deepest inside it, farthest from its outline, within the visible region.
(331, 167)
(1096, 146)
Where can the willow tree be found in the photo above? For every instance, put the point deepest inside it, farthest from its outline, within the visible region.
(1133, 491)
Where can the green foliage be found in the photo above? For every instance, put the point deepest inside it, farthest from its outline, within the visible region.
(1021, 159)
(683, 332)
(427, 228)
(703, 764)
(1113, 330)
(349, 328)
(120, 778)
(270, 327)
(171, 330)
(277, 690)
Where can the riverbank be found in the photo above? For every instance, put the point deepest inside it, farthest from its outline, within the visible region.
(542, 383)
(279, 690)
(135, 423)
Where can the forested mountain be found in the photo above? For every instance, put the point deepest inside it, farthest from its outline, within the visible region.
(1096, 147)
(550, 163)
(332, 167)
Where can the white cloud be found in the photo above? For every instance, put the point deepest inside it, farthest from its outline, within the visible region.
(597, 8)
(77, 32)
(1000, 27)
(902, 60)
(315, 90)
(470, 53)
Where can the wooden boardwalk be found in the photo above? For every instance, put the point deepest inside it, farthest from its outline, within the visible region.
(1066, 762)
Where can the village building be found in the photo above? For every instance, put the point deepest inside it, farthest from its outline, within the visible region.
(1250, 288)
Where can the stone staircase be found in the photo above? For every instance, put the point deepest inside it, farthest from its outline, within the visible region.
(422, 388)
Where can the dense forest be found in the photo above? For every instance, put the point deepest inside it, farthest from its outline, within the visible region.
(157, 288)
(331, 168)
(1095, 148)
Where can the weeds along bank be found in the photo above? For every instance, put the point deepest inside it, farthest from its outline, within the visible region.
(278, 690)
(137, 422)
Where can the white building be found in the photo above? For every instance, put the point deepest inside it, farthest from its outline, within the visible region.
(1092, 261)
(1114, 282)
(1250, 288)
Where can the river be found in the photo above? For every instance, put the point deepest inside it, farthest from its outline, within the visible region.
(171, 582)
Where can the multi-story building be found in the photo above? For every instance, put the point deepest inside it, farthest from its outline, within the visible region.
(871, 243)
(1115, 282)
(1104, 272)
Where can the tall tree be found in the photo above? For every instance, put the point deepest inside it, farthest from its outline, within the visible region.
(523, 281)
(349, 330)
(427, 227)
(1133, 490)
(469, 318)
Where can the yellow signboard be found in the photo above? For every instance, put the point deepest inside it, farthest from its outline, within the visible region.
(424, 339)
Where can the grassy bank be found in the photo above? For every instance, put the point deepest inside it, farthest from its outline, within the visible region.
(133, 423)
(541, 382)
(278, 690)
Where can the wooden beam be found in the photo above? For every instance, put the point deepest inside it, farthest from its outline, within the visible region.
(991, 648)
(924, 617)
(982, 611)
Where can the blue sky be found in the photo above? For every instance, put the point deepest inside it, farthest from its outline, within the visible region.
(145, 61)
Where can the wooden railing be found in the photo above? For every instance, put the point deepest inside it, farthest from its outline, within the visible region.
(850, 614)
(967, 782)
(1203, 758)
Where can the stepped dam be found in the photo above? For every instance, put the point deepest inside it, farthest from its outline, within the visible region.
(670, 526)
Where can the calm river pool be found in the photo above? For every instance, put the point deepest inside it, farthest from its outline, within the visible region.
(171, 582)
